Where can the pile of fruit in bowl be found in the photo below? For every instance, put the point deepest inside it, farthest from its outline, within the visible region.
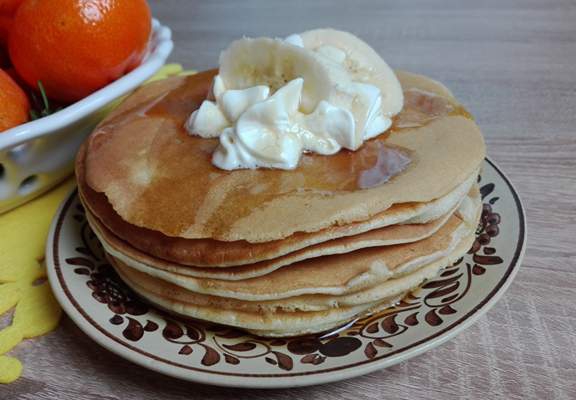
(56, 52)
(63, 64)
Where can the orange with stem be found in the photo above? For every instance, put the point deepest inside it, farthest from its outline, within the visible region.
(75, 47)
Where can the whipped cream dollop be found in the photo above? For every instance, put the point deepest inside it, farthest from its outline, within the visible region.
(273, 100)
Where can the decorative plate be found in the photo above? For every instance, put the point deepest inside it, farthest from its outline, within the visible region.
(102, 306)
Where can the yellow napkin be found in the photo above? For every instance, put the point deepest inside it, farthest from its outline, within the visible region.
(23, 276)
(23, 285)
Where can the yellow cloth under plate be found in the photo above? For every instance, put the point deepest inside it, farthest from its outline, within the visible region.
(23, 285)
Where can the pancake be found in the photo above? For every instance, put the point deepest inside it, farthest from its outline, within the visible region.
(396, 234)
(212, 253)
(388, 290)
(155, 176)
(334, 274)
(281, 322)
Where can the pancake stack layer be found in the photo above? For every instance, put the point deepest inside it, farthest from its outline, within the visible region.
(274, 252)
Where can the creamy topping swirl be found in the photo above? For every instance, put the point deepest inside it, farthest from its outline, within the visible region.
(314, 106)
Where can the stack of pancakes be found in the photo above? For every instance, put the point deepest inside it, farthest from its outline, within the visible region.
(280, 253)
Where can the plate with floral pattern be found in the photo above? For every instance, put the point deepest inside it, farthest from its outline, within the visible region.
(112, 315)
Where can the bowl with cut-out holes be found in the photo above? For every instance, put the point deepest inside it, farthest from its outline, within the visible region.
(37, 155)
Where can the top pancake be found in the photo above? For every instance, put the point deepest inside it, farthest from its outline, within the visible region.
(158, 177)
(214, 253)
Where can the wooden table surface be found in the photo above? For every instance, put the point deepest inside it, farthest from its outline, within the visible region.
(513, 63)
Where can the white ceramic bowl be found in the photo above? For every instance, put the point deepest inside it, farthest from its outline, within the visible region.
(39, 154)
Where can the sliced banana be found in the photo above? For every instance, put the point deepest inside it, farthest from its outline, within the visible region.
(362, 63)
(275, 62)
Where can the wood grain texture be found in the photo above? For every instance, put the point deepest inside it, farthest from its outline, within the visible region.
(512, 62)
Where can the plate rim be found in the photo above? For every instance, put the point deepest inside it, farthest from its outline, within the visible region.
(296, 379)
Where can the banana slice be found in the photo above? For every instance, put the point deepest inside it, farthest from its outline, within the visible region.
(275, 62)
(361, 61)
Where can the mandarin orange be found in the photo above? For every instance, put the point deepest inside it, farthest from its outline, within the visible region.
(4, 61)
(9, 7)
(14, 105)
(5, 25)
(7, 10)
(75, 47)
